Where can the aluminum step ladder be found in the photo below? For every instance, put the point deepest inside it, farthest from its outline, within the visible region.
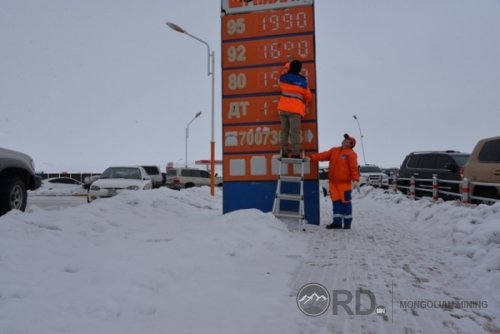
(283, 177)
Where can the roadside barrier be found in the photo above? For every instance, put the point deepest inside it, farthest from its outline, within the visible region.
(465, 191)
(394, 183)
(436, 187)
(413, 189)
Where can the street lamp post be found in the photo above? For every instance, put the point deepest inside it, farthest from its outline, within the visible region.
(211, 70)
(187, 135)
(361, 136)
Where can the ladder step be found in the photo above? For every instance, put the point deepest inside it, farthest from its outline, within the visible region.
(289, 197)
(297, 197)
(290, 178)
(289, 214)
(292, 160)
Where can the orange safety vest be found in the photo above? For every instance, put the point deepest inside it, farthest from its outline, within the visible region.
(294, 92)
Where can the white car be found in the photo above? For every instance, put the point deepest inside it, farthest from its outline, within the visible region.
(372, 175)
(60, 186)
(115, 179)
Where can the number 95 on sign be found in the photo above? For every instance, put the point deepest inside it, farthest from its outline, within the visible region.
(264, 138)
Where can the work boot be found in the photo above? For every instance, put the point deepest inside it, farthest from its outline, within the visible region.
(347, 226)
(333, 226)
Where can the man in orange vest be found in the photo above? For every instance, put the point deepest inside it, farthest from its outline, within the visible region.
(342, 172)
(292, 106)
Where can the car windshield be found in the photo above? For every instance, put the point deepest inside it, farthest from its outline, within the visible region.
(370, 169)
(121, 173)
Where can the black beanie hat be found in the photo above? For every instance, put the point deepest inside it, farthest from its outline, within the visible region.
(295, 66)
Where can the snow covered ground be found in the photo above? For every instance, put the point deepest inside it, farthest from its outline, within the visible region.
(165, 261)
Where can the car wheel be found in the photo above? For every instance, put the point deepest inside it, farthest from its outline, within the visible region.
(189, 185)
(13, 194)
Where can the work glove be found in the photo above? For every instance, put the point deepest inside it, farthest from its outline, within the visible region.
(355, 184)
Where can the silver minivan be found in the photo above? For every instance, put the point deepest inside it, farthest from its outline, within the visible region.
(185, 177)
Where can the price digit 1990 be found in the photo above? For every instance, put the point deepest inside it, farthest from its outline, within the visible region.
(237, 81)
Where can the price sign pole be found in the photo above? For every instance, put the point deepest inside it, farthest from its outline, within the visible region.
(257, 38)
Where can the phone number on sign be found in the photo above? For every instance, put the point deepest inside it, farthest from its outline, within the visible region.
(262, 138)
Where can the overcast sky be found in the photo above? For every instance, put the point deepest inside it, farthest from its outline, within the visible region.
(88, 84)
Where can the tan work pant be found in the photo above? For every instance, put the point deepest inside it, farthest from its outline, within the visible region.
(290, 129)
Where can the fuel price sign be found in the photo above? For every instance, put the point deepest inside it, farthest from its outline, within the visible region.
(257, 39)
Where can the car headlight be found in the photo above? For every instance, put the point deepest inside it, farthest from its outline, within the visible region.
(133, 187)
(95, 188)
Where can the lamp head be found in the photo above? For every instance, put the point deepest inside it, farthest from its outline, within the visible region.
(175, 27)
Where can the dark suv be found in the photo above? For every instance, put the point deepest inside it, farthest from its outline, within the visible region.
(447, 165)
(17, 175)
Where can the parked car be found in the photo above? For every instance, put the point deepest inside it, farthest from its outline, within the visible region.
(447, 165)
(60, 186)
(484, 166)
(17, 175)
(63, 180)
(115, 179)
(371, 175)
(184, 177)
(155, 175)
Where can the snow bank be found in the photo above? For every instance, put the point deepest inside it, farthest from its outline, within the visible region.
(471, 232)
(165, 261)
(160, 261)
